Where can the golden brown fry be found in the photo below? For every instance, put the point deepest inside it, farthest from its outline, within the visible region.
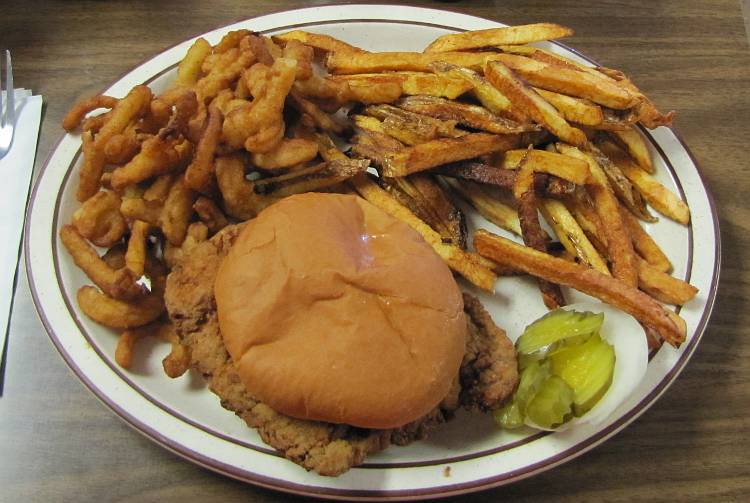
(321, 119)
(405, 118)
(91, 170)
(620, 184)
(99, 219)
(571, 82)
(325, 88)
(177, 362)
(511, 35)
(645, 245)
(317, 41)
(561, 165)
(662, 199)
(136, 208)
(343, 63)
(115, 313)
(325, 174)
(189, 69)
(410, 83)
(301, 53)
(199, 174)
(550, 58)
(131, 107)
(116, 283)
(445, 150)
(178, 208)
(231, 40)
(422, 194)
(259, 126)
(487, 94)
(227, 68)
(578, 110)
(76, 114)
(619, 245)
(465, 114)
(632, 141)
(524, 98)
(410, 133)
(240, 200)
(210, 214)
(647, 113)
(571, 235)
(467, 264)
(587, 280)
(531, 230)
(662, 286)
(288, 153)
(489, 207)
(157, 157)
(135, 257)
(121, 148)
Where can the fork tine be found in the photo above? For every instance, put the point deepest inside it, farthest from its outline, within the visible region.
(10, 111)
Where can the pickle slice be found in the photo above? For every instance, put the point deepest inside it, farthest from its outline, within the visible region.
(531, 379)
(554, 330)
(552, 404)
(587, 368)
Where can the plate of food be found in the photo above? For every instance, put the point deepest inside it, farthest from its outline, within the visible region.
(365, 253)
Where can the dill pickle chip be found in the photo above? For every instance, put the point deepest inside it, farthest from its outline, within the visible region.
(554, 330)
(531, 379)
(588, 369)
(552, 405)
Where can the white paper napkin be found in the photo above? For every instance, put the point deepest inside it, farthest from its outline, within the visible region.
(15, 178)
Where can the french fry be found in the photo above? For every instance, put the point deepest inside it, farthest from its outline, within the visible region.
(178, 208)
(118, 283)
(405, 132)
(325, 174)
(662, 199)
(487, 94)
(645, 245)
(465, 114)
(566, 167)
(131, 107)
(633, 142)
(621, 185)
(571, 82)
(115, 313)
(288, 153)
(317, 41)
(230, 40)
(99, 219)
(571, 235)
(619, 245)
(662, 286)
(90, 173)
(210, 214)
(321, 119)
(647, 113)
(526, 99)
(467, 264)
(157, 157)
(444, 150)
(578, 110)
(135, 257)
(511, 35)
(76, 114)
(550, 58)
(409, 83)
(490, 208)
(422, 194)
(199, 174)
(137, 208)
(446, 128)
(189, 68)
(587, 280)
(344, 63)
(531, 230)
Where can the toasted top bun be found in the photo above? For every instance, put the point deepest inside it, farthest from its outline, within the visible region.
(335, 311)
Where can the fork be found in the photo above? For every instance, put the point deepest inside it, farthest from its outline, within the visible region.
(7, 118)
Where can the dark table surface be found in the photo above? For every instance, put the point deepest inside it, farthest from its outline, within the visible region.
(58, 443)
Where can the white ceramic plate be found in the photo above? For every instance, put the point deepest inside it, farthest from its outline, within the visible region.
(183, 416)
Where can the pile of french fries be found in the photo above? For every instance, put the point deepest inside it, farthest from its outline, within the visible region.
(483, 117)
